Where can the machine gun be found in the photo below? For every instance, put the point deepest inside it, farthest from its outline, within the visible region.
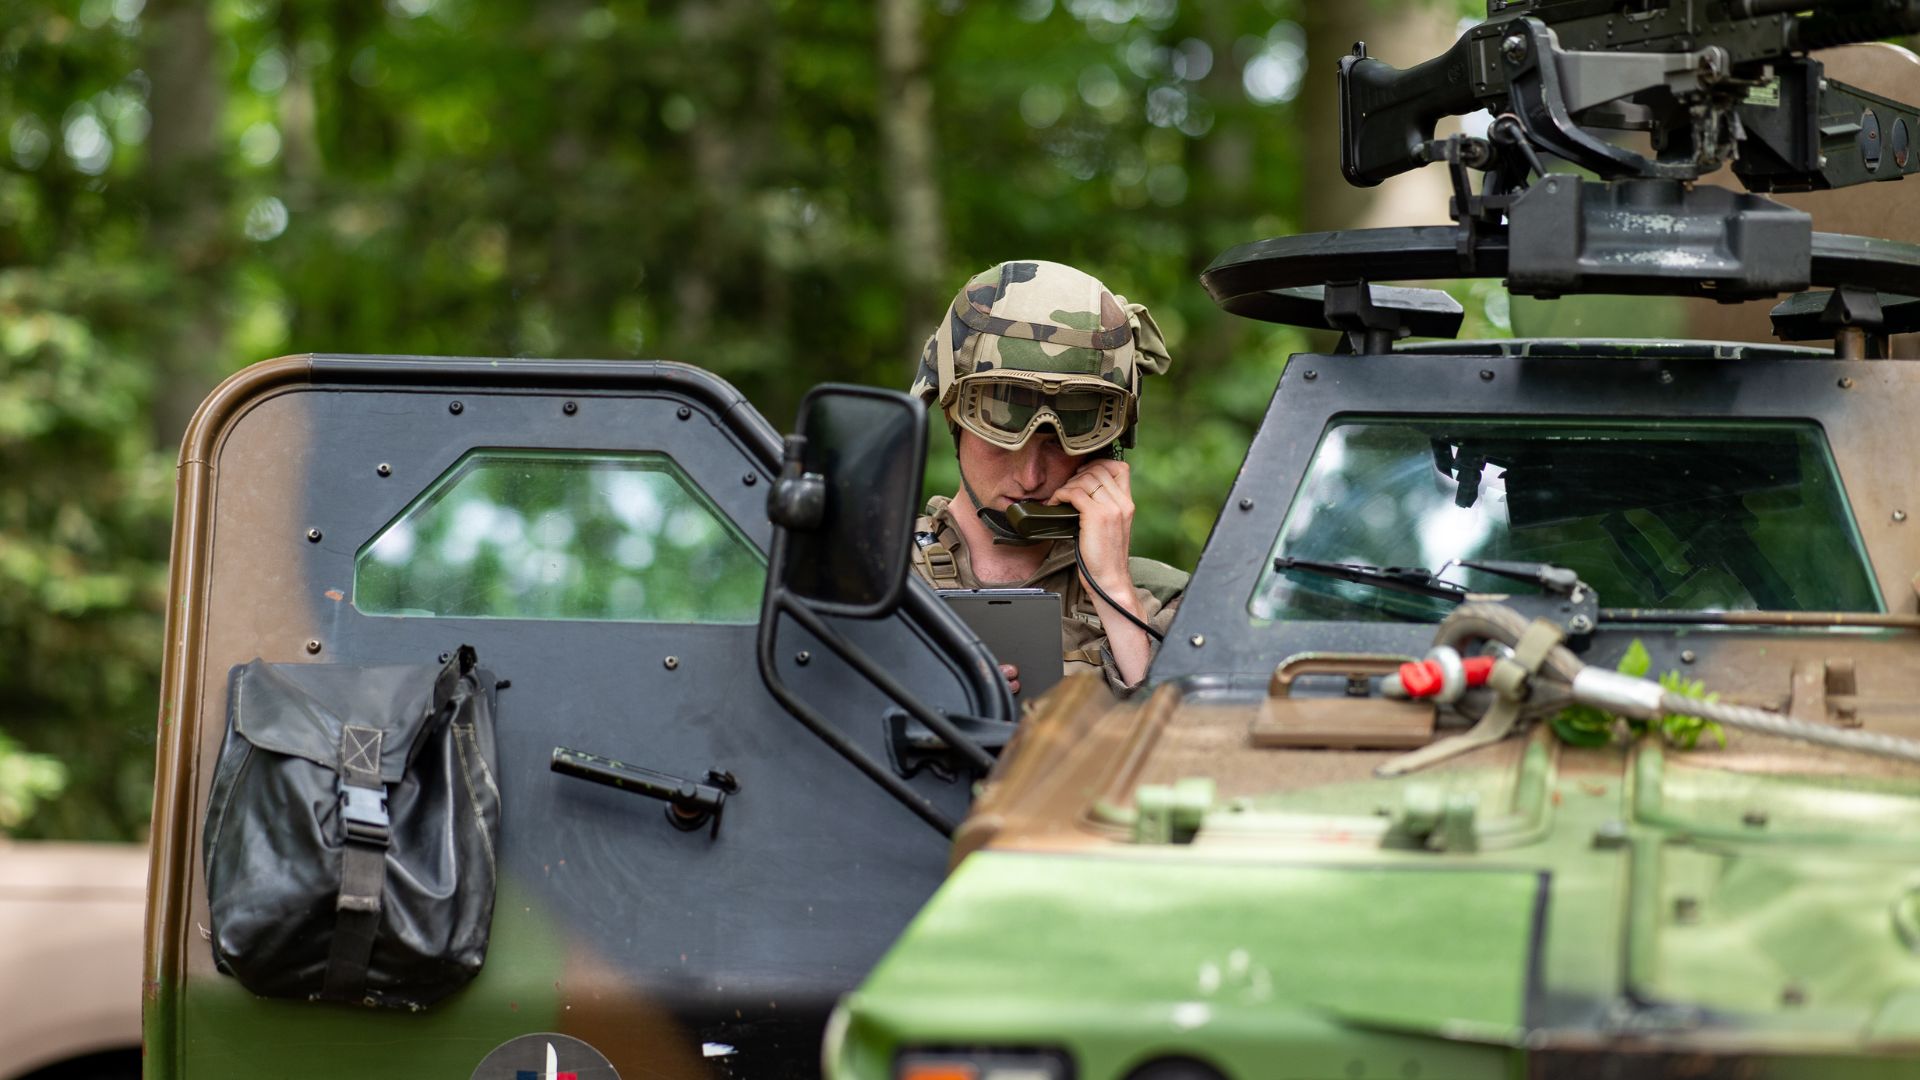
(1707, 82)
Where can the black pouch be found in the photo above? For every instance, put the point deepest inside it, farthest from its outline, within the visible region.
(350, 832)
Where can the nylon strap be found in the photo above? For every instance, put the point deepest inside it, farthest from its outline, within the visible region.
(1509, 681)
(363, 862)
(945, 364)
(934, 559)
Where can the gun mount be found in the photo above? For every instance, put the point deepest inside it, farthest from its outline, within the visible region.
(1707, 83)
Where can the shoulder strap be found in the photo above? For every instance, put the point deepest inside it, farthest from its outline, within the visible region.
(931, 557)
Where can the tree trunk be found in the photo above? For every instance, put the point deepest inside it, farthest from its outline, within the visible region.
(185, 188)
(907, 148)
(704, 27)
(300, 159)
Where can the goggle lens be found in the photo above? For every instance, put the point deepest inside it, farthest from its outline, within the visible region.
(1009, 407)
(1079, 412)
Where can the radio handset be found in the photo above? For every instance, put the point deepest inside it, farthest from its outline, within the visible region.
(1041, 521)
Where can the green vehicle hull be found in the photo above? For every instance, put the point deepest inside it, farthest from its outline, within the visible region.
(1618, 919)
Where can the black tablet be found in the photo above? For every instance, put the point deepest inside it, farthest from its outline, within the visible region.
(1019, 627)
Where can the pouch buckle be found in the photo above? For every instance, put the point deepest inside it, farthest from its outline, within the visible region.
(363, 810)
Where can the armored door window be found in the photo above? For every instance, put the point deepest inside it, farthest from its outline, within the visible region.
(520, 534)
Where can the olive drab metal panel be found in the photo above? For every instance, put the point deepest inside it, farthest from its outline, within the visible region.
(366, 511)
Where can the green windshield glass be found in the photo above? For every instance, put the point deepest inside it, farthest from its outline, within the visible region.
(1710, 517)
(515, 534)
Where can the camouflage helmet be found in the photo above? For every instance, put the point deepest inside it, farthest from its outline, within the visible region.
(1032, 316)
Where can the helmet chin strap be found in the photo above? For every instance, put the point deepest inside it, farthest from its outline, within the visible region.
(995, 521)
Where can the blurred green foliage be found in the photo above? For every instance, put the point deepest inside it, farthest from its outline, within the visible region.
(188, 186)
(83, 525)
(1584, 725)
(526, 535)
(26, 780)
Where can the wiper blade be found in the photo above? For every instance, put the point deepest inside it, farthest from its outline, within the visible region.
(1415, 580)
(1554, 579)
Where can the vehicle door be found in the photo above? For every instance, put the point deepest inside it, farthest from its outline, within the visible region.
(597, 532)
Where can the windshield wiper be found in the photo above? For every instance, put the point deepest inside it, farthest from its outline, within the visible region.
(1570, 598)
(1415, 580)
(1564, 599)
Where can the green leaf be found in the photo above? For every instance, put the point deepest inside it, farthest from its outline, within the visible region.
(1635, 660)
(1684, 731)
(1581, 725)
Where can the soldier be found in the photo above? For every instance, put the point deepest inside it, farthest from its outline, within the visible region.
(1037, 367)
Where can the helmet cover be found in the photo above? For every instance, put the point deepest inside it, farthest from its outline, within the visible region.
(1044, 318)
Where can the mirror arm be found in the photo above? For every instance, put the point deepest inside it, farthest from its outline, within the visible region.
(906, 699)
(779, 603)
(797, 500)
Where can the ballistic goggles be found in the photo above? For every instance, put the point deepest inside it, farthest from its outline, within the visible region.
(1006, 407)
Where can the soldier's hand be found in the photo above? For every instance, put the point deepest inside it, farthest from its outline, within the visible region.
(1011, 673)
(1102, 491)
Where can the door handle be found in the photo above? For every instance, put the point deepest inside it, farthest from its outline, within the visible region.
(690, 803)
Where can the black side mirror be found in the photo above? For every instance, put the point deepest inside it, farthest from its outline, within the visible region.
(846, 497)
(842, 512)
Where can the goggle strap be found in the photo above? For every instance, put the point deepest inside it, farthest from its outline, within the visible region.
(943, 359)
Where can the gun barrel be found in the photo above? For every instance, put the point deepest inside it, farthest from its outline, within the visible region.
(1845, 23)
(1753, 9)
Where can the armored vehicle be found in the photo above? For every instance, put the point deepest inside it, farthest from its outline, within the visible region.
(1541, 707)
(1426, 780)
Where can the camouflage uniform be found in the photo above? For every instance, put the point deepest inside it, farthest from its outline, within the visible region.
(943, 563)
(1052, 320)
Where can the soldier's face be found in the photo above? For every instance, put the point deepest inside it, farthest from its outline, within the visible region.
(1000, 477)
